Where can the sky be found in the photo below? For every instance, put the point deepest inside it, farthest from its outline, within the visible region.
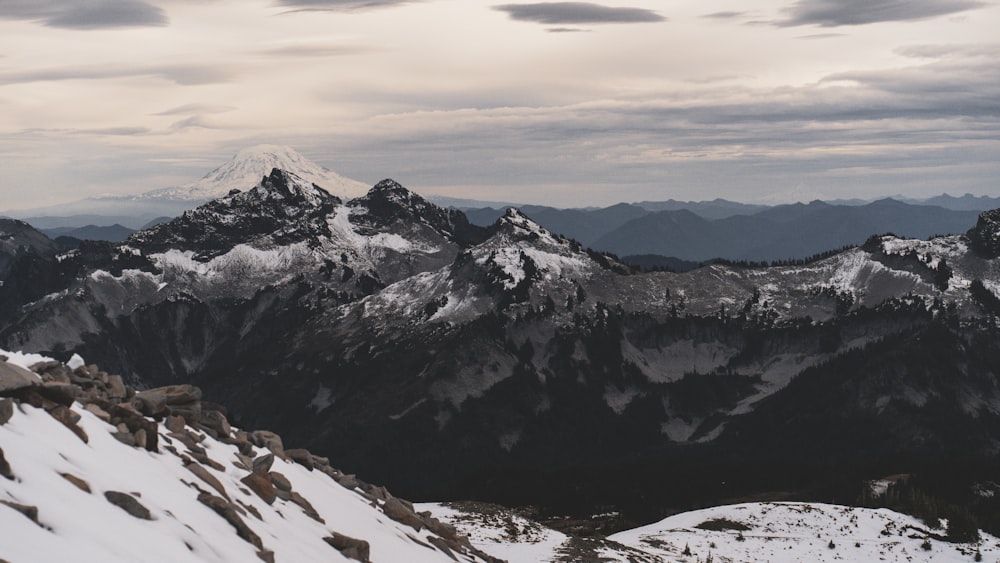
(560, 103)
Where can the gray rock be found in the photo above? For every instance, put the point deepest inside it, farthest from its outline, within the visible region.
(269, 440)
(13, 378)
(225, 509)
(263, 463)
(116, 388)
(129, 504)
(302, 457)
(31, 512)
(280, 481)
(6, 410)
(349, 547)
(5, 467)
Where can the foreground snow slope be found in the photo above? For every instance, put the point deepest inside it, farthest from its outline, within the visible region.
(77, 488)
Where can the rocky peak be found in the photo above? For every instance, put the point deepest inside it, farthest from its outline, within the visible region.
(289, 186)
(389, 202)
(985, 236)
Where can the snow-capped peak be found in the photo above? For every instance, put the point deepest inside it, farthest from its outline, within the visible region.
(246, 168)
(287, 184)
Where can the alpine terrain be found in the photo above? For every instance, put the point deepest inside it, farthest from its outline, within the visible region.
(508, 363)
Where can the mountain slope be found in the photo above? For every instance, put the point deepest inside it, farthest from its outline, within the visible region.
(160, 476)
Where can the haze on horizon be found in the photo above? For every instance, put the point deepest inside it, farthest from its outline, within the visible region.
(559, 103)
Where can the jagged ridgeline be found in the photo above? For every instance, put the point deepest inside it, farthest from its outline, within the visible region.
(513, 364)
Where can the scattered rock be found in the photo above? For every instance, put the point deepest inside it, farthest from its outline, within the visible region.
(6, 410)
(13, 378)
(260, 483)
(226, 510)
(269, 440)
(78, 482)
(63, 393)
(280, 481)
(174, 423)
(215, 421)
(266, 556)
(349, 547)
(31, 512)
(395, 509)
(129, 504)
(302, 457)
(69, 419)
(306, 506)
(5, 467)
(207, 477)
(263, 463)
(116, 388)
(98, 412)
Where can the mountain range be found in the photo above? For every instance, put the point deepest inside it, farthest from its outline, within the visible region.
(513, 364)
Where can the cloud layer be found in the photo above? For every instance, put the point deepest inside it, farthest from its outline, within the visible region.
(833, 13)
(343, 5)
(568, 13)
(85, 14)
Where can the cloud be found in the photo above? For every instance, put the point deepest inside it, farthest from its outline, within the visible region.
(185, 75)
(567, 30)
(195, 109)
(728, 15)
(85, 14)
(342, 5)
(305, 50)
(833, 13)
(573, 13)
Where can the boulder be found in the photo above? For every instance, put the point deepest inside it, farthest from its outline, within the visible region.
(395, 509)
(116, 388)
(225, 509)
(5, 467)
(263, 463)
(349, 547)
(129, 504)
(76, 481)
(14, 378)
(215, 421)
(6, 410)
(69, 419)
(280, 481)
(30, 512)
(302, 457)
(269, 440)
(260, 483)
(207, 477)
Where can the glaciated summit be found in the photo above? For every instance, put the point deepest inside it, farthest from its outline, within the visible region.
(248, 165)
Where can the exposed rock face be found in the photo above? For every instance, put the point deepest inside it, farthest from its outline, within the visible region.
(985, 236)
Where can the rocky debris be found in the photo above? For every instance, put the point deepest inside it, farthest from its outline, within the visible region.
(14, 378)
(6, 410)
(5, 467)
(129, 504)
(203, 474)
(985, 236)
(351, 548)
(77, 482)
(227, 510)
(132, 418)
(30, 512)
(260, 483)
(269, 440)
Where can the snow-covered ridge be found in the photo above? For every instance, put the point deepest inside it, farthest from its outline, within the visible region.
(774, 532)
(95, 471)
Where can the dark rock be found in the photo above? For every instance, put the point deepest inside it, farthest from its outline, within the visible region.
(6, 410)
(150, 403)
(225, 509)
(302, 457)
(445, 546)
(69, 419)
(5, 467)
(31, 512)
(98, 412)
(280, 481)
(260, 483)
(129, 504)
(62, 393)
(116, 388)
(207, 477)
(349, 547)
(13, 378)
(307, 507)
(174, 423)
(269, 440)
(395, 509)
(266, 556)
(984, 238)
(177, 394)
(126, 438)
(78, 482)
(263, 463)
(214, 420)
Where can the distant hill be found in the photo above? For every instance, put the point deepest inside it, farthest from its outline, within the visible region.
(112, 233)
(779, 233)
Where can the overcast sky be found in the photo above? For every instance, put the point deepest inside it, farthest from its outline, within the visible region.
(564, 103)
